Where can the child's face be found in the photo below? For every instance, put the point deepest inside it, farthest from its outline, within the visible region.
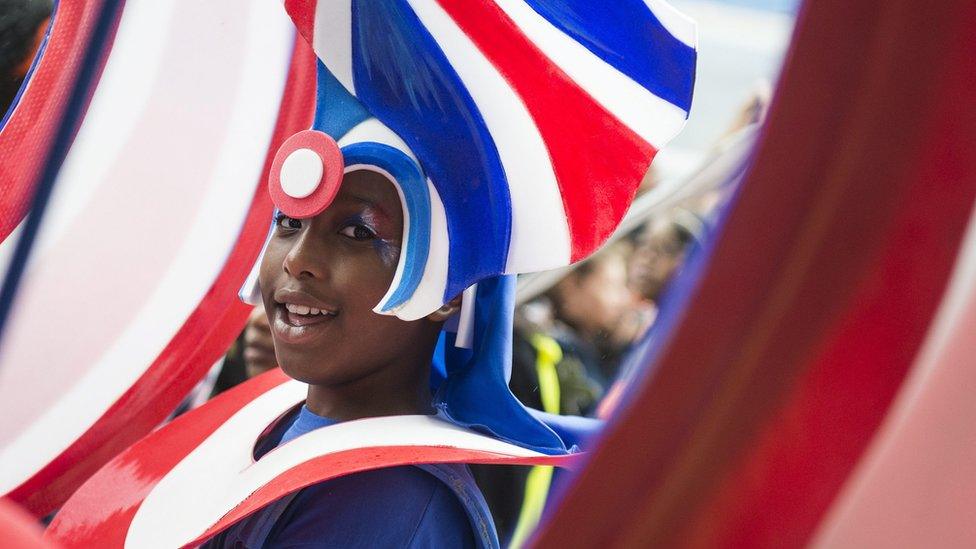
(321, 278)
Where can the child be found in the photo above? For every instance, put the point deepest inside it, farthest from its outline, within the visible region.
(455, 171)
(321, 278)
(455, 143)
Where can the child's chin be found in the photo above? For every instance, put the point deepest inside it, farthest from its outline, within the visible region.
(310, 372)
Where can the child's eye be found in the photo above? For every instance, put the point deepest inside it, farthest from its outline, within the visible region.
(358, 232)
(288, 223)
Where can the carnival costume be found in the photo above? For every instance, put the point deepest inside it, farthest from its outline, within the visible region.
(516, 133)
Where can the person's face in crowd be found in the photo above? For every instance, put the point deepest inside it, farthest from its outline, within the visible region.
(595, 301)
(658, 255)
(321, 278)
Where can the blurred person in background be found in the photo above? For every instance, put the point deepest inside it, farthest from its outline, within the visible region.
(251, 354)
(596, 316)
(660, 251)
(23, 24)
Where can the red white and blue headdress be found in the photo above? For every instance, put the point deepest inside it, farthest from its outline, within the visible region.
(516, 131)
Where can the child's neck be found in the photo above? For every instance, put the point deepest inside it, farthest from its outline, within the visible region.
(382, 394)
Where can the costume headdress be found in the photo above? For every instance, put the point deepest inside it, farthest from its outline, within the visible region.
(516, 131)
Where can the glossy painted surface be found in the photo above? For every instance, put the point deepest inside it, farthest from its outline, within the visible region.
(167, 308)
(800, 325)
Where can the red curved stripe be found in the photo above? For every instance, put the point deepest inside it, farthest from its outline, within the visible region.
(598, 160)
(20, 530)
(203, 338)
(99, 513)
(816, 299)
(302, 13)
(364, 459)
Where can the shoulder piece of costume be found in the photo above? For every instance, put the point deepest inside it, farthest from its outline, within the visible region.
(197, 476)
(516, 133)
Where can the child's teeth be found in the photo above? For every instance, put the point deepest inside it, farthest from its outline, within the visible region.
(297, 309)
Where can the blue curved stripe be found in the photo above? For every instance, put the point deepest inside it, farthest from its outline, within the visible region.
(631, 39)
(405, 80)
(336, 110)
(416, 197)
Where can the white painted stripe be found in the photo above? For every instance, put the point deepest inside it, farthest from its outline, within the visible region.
(429, 295)
(678, 24)
(332, 39)
(465, 327)
(94, 153)
(250, 291)
(540, 233)
(654, 119)
(372, 130)
(230, 186)
(220, 473)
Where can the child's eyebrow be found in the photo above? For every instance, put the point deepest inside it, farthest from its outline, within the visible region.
(370, 203)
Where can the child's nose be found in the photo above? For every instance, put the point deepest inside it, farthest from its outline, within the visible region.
(307, 257)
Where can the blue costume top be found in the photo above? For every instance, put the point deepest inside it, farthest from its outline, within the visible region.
(434, 506)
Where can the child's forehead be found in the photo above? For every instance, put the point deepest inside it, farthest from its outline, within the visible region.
(370, 189)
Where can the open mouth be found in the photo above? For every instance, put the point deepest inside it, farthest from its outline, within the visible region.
(298, 317)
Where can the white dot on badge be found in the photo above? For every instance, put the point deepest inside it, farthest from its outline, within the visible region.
(301, 173)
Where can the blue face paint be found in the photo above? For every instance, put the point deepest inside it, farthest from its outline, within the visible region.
(389, 252)
(387, 248)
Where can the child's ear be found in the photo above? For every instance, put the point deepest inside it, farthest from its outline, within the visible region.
(446, 310)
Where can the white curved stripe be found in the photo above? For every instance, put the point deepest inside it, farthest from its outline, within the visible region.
(148, 25)
(540, 234)
(372, 130)
(250, 291)
(229, 181)
(8, 245)
(654, 119)
(332, 39)
(220, 473)
(429, 295)
(678, 24)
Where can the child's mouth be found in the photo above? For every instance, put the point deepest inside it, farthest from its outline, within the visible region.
(299, 318)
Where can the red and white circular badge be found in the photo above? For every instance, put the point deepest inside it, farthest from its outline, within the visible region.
(306, 174)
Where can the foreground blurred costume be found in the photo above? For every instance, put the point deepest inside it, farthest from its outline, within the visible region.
(516, 134)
